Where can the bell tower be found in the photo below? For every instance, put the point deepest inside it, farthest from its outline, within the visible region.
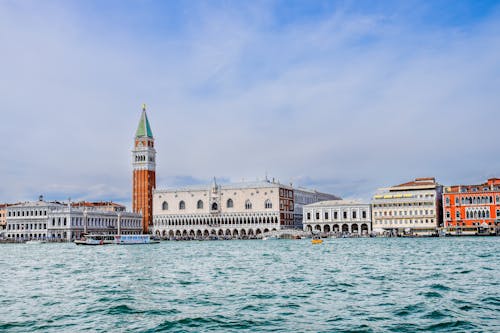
(144, 165)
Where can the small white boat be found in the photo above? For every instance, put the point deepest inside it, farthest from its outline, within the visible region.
(116, 240)
(31, 242)
(273, 237)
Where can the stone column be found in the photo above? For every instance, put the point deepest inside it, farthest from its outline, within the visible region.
(119, 222)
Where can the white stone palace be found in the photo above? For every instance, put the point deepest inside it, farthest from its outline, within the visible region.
(339, 217)
(234, 210)
(54, 221)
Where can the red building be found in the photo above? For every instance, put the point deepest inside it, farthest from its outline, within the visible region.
(472, 209)
(144, 164)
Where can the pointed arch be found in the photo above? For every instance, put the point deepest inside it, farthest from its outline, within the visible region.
(268, 204)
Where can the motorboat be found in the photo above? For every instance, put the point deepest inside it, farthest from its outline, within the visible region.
(273, 237)
(116, 240)
(34, 241)
(316, 240)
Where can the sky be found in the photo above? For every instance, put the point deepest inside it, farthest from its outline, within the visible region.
(341, 96)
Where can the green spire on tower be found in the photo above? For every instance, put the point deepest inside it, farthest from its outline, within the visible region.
(144, 130)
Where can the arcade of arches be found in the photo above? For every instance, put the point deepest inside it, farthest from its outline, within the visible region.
(203, 226)
(351, 228)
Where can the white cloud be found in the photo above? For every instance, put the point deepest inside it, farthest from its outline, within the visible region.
(347, 103)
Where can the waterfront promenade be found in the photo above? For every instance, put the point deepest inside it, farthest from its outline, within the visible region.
(369, 285)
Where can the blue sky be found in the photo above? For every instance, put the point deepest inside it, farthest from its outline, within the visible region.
(341, 96)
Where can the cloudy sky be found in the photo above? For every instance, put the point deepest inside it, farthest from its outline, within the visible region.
(341, 96)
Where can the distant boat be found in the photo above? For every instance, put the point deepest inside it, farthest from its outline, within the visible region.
(273, 237)
(316, 240)
(116, 240)
(31, 242)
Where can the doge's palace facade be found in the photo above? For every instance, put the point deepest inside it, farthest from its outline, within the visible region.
(237, 210)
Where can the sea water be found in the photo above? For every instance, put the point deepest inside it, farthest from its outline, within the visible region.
(342, 285)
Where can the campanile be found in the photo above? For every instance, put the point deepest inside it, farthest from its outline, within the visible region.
(144, 165)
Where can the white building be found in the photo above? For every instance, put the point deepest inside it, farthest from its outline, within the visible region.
(56, 221)
(338, 216)
(304, 196)
(238, 210)
(411, 208)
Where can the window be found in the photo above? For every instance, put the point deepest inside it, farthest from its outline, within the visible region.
(308, 215)
(317, 215)
(182, 205)
(498, 213)
(448, 215)
(345, 215)
(458, 214)
(447, 200)
(164, 205)
(248, 204)
(229, 203)
(335, 215)
(363, 214)
(215, 206)
(326, 215)
(354, 214)
(199, 205)
(268, 204)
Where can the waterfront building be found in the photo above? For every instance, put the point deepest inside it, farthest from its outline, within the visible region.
(338, 216)
(304, 196)
(472, 209)
(3, 216)
(144, 174)
(63, 222)
(410, 208)
(237, 210)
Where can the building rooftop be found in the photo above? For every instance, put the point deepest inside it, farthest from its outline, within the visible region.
(336, 203)
(419, 182)
(493, 184)
(37, 204)
(230, 186)
(96, 204)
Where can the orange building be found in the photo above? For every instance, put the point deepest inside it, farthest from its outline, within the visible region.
(472, 209)
(144, 165)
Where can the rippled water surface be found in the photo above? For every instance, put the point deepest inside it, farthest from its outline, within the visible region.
(362, 285)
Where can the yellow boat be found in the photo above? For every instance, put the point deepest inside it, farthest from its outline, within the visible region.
(317, 241)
